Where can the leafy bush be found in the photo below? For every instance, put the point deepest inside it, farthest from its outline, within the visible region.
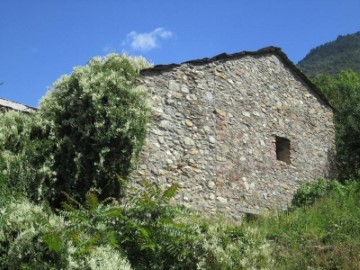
(14, 136)
(155, 234)
(308, 193)
(5, 193)
(343, 92)
(145, 227)
(89, 129)
(105, 257)
(228, 246)
(97, 119)
(29, 241)
(25, 149)
(145, 230)
(21, 228)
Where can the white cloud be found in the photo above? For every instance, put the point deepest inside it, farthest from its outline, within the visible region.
(146, 41)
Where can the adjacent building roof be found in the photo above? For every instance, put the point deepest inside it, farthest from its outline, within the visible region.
(225, 57)
(11, 105)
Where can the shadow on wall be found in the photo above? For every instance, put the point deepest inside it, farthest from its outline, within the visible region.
(332, 164)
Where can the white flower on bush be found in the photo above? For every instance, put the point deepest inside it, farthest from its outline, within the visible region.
(105, 257)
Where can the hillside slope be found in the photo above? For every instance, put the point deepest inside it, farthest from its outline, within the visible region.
(332, 57)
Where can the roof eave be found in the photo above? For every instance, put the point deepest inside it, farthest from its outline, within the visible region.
(15, 106)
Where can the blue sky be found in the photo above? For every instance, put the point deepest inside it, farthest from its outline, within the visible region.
(42, 40)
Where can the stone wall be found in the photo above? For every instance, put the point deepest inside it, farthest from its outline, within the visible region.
(215, 126)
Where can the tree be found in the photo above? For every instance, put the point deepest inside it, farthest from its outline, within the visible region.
(343, 93)
(97, 118)
(88, 131)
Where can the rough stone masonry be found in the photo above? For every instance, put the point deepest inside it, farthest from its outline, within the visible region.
(239, 133)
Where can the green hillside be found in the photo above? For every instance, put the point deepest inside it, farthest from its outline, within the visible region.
(332, 57)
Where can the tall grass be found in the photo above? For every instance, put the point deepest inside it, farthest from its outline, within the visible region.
(324, 235)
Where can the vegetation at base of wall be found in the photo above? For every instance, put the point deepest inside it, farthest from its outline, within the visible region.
(343, 92)
(143, 232)
(323, 235)
(308, 193)
(146, 231)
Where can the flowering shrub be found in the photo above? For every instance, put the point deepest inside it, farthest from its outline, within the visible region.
(25, 151)
(97, 120)
(26, 242)
(143, 232)
(21, 246)
(106, 257)
(89, 129)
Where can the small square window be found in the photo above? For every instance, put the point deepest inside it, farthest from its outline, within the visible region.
(282, 149)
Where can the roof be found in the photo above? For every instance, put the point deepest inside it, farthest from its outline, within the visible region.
(15, 106)
(265, 51)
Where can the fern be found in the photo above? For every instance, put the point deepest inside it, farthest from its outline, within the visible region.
(170, 192)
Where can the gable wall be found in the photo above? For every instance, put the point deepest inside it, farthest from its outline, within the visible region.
(213, 133)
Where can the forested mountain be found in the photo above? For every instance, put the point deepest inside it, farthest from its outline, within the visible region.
(332, 57)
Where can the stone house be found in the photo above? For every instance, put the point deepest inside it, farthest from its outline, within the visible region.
(238, 132)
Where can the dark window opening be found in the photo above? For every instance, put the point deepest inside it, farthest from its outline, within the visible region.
(282, 149)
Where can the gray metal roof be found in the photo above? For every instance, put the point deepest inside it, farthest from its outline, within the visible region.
(11, 105)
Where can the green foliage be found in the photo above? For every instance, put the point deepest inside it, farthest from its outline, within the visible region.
(32, 237)
(229, 246)
(23, 144)
(21, 228)
(14, 130)
(333, 57)
(308, 193)
(155, 234)
(145, 229)
(343, 93)
(89, 129)
(325, 235)
(5, 193)
(97, 118)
